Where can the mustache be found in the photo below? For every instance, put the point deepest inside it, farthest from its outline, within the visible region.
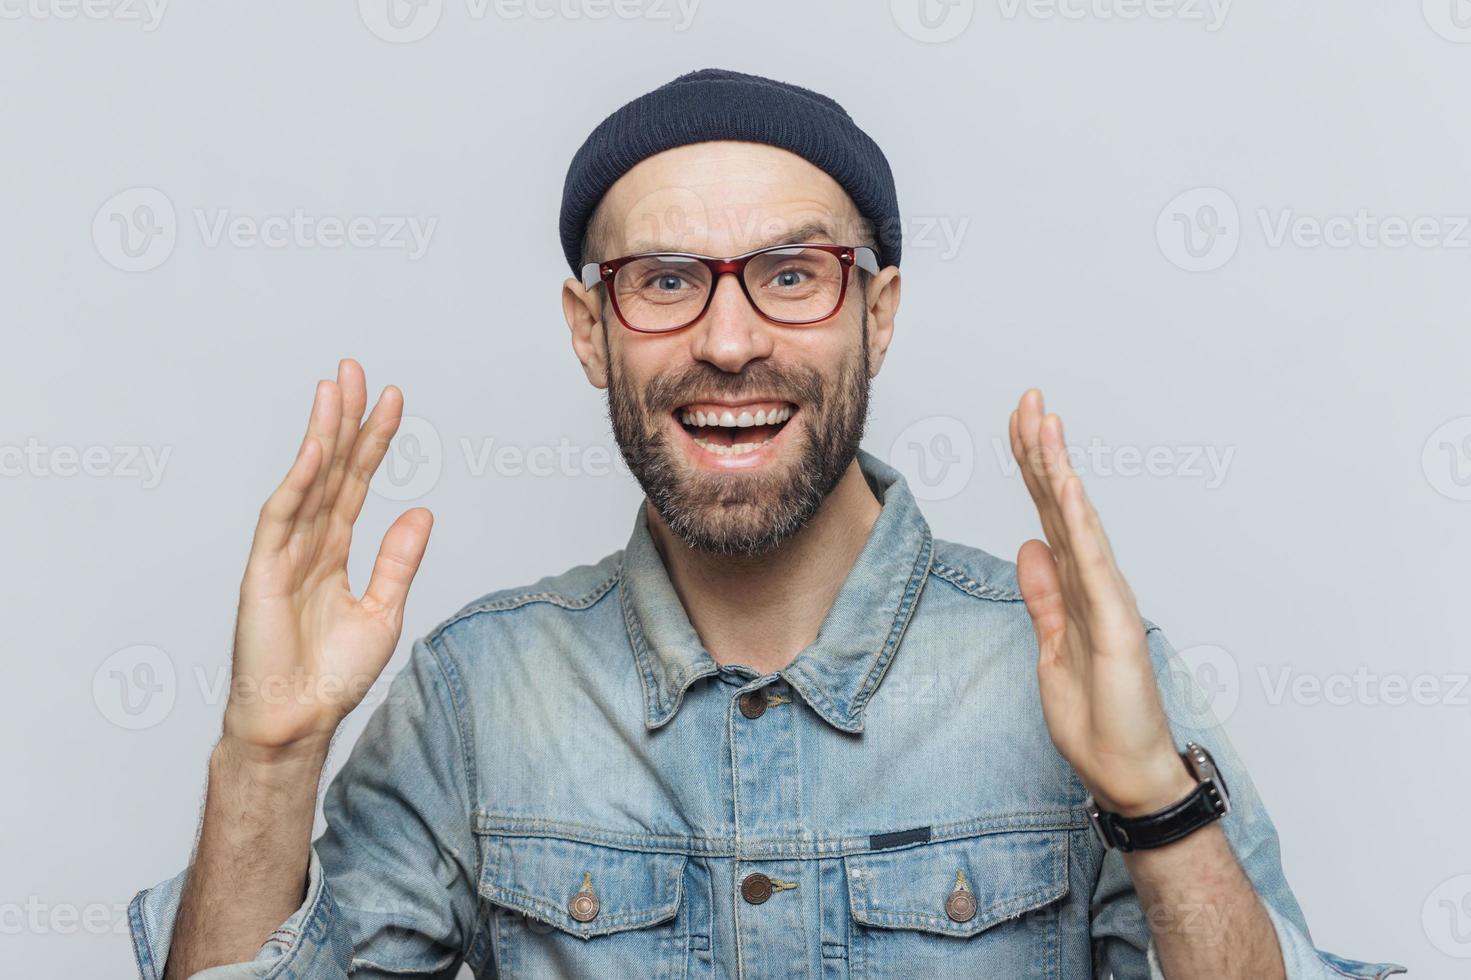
(702, 382)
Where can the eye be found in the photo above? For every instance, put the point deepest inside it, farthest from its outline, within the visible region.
(665, 281)
(790, 276)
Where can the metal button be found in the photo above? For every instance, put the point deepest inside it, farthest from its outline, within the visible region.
(756, 888)
(753, 704)
(584, 905)
(961, 905)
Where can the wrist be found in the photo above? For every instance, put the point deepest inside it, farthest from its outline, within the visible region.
(1149, 788)
(270, 765)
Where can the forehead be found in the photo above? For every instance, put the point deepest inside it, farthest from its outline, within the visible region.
(722, 198)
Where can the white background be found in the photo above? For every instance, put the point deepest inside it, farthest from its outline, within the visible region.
(1052, 145)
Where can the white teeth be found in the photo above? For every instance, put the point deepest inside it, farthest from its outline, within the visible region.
(736, 449)
(730, 420)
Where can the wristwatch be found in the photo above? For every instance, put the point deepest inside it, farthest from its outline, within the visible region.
(1209, 801)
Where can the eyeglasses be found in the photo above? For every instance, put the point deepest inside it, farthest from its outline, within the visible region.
(793, 285)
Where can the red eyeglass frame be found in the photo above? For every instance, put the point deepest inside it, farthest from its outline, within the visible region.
(862, 256)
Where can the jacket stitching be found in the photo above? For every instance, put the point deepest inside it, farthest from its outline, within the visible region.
(923, 562)
(509, 603)
(958, 578)
(1016, 822)
(455, 688)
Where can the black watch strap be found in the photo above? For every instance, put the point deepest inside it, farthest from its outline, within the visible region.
(1206, 803)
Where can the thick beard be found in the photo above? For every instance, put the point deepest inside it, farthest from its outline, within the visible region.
(742, 514)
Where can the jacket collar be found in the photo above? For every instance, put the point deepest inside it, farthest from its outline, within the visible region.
(839, 671)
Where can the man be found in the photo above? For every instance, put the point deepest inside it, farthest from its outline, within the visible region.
(784, 732)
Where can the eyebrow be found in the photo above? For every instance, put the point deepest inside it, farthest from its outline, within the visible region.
(809, 231)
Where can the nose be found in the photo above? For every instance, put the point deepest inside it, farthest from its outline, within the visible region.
(731, 334)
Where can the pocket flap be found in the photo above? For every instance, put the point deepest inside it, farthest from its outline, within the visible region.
(540, 876)
(1008, 873)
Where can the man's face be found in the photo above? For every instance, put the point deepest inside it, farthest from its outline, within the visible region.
(736, 428)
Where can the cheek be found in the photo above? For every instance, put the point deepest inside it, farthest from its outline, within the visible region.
(828, 349)
(638, 359)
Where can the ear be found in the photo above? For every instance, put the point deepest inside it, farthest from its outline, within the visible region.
(883, 306)
(583, 309)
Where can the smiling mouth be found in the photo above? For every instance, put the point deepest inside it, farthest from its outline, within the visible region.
(734, 430)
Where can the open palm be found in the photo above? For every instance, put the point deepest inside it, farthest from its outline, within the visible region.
(1099, 694)
(306, 648)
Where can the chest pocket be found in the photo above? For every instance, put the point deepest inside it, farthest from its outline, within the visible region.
(567, 908)
(985, 906)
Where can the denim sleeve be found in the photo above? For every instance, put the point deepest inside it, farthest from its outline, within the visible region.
(391, 882)
(1122, 943)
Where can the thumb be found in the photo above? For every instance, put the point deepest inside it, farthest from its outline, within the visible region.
(1036, 575)
(398, 561)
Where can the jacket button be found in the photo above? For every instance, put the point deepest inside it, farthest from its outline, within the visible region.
(756, 888)
(753, 704)
(584, 905)
(961, 905)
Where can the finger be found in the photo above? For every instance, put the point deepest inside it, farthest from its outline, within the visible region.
(1099, 575)
(325, 419)
(397, 563)
(1021, 423)
(353, 386)
(277, 513)
(1034, 469)
(1054, 453)
(1036, 575)
(1092, 562)
(1056, 471)
(285, 504)
(371, 446)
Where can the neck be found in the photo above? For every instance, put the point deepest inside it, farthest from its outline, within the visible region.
(762, 611)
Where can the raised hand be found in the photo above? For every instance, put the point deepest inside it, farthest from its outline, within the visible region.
(306, 648)
(1099, 694)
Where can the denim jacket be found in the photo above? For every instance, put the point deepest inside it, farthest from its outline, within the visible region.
(563, 783)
